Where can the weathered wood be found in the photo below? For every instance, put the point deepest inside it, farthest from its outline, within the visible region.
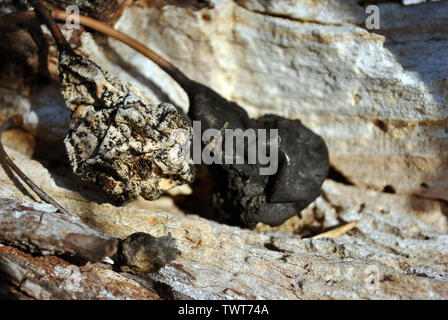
(38, 228)
(399, 243)
(23, 276)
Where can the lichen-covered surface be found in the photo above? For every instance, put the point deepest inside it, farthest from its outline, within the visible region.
(118, 140)
(378, 99)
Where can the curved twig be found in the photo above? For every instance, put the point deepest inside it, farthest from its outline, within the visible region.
(45, 15)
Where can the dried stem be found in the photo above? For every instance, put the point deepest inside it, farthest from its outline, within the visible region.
(15, 17)
(15, 122)
(45, 15)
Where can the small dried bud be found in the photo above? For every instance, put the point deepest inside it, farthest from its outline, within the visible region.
(117, 140)
(141, 252)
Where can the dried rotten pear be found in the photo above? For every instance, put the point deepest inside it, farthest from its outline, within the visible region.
(242, 196)
(116, 139)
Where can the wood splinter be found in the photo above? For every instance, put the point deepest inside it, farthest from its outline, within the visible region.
(337, 232)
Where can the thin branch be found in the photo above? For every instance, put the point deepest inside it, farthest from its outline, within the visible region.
(43, 231)
(45, 15)
(9, 19)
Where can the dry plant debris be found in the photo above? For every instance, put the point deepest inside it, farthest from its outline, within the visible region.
(141, 253)
(117, 140)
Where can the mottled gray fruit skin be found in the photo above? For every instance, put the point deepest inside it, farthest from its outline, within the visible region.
(241, 195)
(119, 141)
(142, 253)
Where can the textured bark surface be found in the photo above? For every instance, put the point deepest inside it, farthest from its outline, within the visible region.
(38, 229)
(23, 276)
(123, 143)
(398, 250)
(378, 99)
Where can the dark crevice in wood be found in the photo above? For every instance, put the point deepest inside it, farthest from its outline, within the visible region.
(336, 175)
